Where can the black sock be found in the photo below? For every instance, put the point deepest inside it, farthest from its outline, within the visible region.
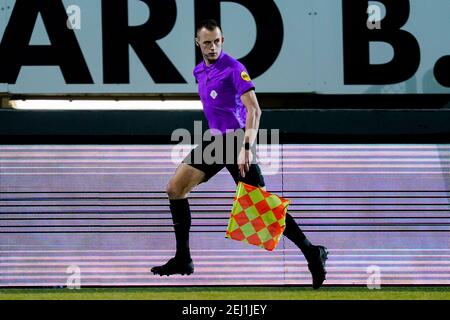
(296, 235)
(181, 217)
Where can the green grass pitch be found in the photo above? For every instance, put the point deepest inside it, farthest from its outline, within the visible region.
(229, 293)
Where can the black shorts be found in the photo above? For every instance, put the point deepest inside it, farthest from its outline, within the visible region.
(211, 157)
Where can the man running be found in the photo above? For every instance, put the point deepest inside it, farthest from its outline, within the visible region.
(229, 103)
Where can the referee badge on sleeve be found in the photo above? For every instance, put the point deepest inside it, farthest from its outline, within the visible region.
(245, 76)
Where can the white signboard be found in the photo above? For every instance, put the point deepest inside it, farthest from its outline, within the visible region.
(288, 46)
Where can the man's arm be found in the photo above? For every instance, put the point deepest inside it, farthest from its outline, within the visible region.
(251, 129)
(253, 116)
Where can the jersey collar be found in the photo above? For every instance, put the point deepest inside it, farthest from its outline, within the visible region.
(215, 64)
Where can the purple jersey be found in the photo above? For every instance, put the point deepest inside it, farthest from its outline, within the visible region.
(220, 86)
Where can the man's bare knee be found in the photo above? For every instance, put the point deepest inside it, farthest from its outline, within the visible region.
(183, 181)
(174, 191)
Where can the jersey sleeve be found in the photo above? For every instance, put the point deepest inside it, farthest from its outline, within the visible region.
(194, 73)
(242, 80)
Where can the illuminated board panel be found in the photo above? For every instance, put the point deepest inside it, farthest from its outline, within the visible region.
(103, 208)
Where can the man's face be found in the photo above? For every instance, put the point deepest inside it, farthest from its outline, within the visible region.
(210, 44)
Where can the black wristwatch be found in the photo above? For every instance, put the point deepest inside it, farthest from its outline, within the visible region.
(247, 145)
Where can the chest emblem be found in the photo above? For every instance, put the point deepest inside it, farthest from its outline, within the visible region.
(213, 94)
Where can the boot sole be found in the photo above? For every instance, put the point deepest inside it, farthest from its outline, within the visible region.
(324, 257)
(185, 272)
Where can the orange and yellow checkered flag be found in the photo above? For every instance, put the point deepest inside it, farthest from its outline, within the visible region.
(257, 217)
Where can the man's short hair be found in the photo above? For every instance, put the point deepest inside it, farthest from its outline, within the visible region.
(208, 24)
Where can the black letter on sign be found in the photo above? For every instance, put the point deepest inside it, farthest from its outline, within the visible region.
(269, 31)
(357, 37)
(442, 71)
(64, 51)
(118, 35)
